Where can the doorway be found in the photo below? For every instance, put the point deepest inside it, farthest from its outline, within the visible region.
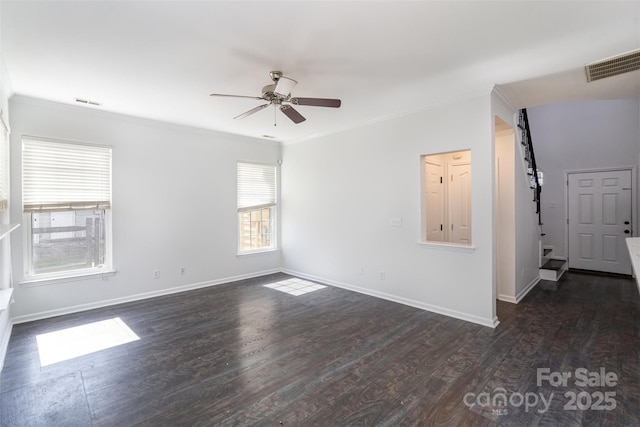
(446, 198)
(599, 208)
(505, 210)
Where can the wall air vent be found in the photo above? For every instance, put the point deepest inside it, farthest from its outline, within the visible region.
(613, 66)
(86, 101)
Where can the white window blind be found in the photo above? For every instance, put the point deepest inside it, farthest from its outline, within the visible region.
(4, 166)
(63, 176)
(256, 186)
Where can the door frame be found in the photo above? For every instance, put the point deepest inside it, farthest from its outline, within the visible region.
(634, 198)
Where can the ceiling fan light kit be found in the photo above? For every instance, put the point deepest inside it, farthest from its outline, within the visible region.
(284, 86)
(278, 94)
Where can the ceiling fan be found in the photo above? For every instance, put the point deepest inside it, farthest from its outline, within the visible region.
(278, 94)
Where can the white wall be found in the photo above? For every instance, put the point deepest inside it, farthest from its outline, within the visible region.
(505, 215)
(527, 230)
(174, 205)
(523, 265)
(339, 193)
(5, 254)
(577, 136)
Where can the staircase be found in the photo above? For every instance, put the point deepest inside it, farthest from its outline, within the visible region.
(550, 267)
(530, 159)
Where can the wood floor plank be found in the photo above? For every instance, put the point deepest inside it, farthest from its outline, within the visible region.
(244, 354)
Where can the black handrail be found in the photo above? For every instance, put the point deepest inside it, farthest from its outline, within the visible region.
(526, 140)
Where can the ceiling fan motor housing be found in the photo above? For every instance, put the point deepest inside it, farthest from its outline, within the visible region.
(267, 92)
(275, 75)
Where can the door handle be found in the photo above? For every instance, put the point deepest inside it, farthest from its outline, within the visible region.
(626, 222)
(626, 231)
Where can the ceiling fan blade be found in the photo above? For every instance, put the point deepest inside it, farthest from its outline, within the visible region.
(317, 102)
(290, 112)
(252, 111)
(235, 96)
(284, 86)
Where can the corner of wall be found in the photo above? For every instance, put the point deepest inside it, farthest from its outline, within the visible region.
(5, 258)
(6, 326)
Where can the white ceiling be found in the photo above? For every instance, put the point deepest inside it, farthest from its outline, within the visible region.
(161, 59)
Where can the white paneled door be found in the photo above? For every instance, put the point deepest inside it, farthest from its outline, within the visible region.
(600, 220)
(460, 203)
(434, 201)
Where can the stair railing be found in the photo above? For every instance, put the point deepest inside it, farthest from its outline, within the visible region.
(530, 158)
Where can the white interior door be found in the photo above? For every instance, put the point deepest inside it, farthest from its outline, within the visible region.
(434, 172)
(600, 220)
(460, 203)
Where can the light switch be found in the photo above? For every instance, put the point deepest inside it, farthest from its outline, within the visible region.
(396, 222)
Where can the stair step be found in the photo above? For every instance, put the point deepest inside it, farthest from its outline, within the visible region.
(554, 264)
(546, 251)
(553, 269)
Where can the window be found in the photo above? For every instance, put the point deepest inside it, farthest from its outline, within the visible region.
(66, 196)
(256, 207)
(446, 198)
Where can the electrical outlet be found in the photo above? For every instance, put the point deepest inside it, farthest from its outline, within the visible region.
(156, 274)
(395, 222)
(183, 271)
(382, 275)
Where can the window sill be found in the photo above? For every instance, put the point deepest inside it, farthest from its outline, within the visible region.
(257, 252)
(5, 298)
(52, 280)
(448, 247)
(5, 229)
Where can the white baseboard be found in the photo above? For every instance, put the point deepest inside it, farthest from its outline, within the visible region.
(523, 293)
(137, 297)
(492, 323)
(4, 344)
(507, 298)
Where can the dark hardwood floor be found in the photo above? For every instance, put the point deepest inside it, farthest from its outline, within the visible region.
(244, 354)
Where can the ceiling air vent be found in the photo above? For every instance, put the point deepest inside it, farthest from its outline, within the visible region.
(86, 101)
(613, 66)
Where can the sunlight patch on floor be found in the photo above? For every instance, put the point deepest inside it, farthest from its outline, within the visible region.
(69, 343)
(295, 286)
